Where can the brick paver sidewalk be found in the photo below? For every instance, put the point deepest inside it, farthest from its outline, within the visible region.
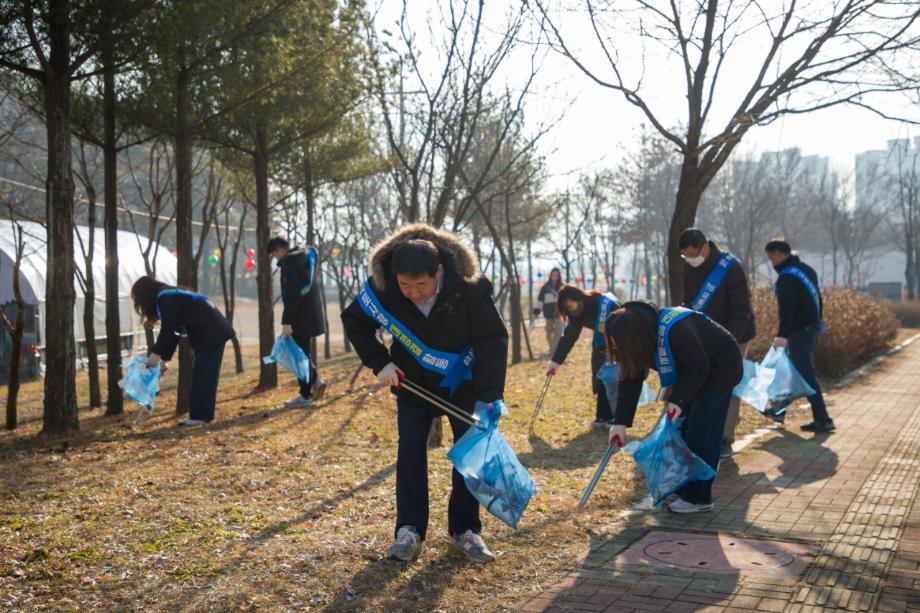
(850, 497)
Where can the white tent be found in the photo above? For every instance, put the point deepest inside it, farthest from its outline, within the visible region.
(32, 278)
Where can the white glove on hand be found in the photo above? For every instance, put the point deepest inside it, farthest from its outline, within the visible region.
(780, 342)
(617, 435)
(390, 375)
(552, 368)
(673, 411)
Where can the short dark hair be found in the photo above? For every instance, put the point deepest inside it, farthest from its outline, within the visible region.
(276, 243)
(416, 258)
(692, 237)
(631, 341)
(144, 294)
(778, 245)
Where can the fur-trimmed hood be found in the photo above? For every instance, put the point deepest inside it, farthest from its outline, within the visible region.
(456, 257)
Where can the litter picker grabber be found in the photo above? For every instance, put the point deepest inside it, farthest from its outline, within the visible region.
(438, 402)
(612, 449)
(539, 405)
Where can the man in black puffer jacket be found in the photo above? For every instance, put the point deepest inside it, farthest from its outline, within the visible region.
(430, 283)
(302, 317)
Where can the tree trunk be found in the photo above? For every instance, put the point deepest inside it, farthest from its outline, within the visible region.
(347, 345)
(89, 308)
(187, 276)
(12, 388)
(60, 401)
(268, 373)
(114, 403)
(529, 277)
(689, 192)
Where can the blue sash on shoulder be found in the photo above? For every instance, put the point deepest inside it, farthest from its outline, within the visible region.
(798, 273)
(311, 267)
(175, 291)
(713, 281)
(456, 367)
(605, 307)
(664, 357)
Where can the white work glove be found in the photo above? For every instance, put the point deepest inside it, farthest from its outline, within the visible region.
(780, 342)
(617, 435)
(552, 368)
(287, 330)
(673, 411)
(390, 375)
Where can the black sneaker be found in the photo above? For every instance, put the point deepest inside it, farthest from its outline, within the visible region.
(779, 418)
(726, 451)
(820, 426)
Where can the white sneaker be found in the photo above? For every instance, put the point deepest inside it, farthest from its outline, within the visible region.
(682, 506)
(408, 544)
(299, 402)
(473, 547)
(188, 421)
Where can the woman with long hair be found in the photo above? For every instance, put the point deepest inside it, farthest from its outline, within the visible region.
(699, 364)
(180, 311)
(547, 299)
(581, 309)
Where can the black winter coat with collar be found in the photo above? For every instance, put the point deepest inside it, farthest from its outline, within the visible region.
(796, 308)
(304, 313)
(730, 305)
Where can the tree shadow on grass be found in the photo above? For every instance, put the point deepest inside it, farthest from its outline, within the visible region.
(583, 450)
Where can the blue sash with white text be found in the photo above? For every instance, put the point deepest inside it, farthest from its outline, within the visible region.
(456, 367)
(605, 307)
(175, 291)
(798, 273)
(664, 357)
(713, 281)
(311, 267)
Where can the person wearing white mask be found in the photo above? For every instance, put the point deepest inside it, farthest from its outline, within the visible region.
(715, 284)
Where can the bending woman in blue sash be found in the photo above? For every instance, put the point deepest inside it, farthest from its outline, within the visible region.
(180, 312)
(697, 360)
(585, 309)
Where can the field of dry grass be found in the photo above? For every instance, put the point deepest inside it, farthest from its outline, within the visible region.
(272, 508)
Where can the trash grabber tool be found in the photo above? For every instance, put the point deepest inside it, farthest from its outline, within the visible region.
(612, 449)
(536, 409)
(439, 402)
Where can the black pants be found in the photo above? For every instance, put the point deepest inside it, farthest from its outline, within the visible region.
(306, 388)
(205, 374)
(702, 428)
(602, 409)
(801, 349)
(412, 476)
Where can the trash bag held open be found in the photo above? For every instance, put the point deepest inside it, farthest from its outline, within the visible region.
(289, 354)
(141, 384)
(754, 387)
(667, 461)
(492, 472)
(609, 376)
(788, 384)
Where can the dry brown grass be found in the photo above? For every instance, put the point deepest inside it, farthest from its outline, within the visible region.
(859, 327)
(270, 508)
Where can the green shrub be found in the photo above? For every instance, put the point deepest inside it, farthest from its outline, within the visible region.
(859, 328)
(908, 313)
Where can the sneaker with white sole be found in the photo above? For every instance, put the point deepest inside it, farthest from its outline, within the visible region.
(299, 402)
(188, 422)
(473, 547)
(682, 506)
(408, 544)
(319, 389)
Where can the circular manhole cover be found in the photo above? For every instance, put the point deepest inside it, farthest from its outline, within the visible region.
(719, 555)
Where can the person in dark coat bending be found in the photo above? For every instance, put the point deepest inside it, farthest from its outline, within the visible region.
(427, 286)
(182, 312)
(715, 284)
(698, 362)
(302, 317)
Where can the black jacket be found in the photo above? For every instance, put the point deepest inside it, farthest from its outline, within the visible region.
(706, 355)
(304, 313)
(549, 308)
(796, 308)
(463, 314)
(205, 325)
(574, 326)
(730, 305)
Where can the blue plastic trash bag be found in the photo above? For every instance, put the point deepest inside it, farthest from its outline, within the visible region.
(289, 354)
(609, 376)
(490, 469)
(754, 388)
(667, 461)
(141, 383)
(788, 384)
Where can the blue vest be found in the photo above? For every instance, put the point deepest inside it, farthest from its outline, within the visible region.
(664, 357)
(605, 306)
(798, 273)
(175, 291)
(456, 367)
(713, 281)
